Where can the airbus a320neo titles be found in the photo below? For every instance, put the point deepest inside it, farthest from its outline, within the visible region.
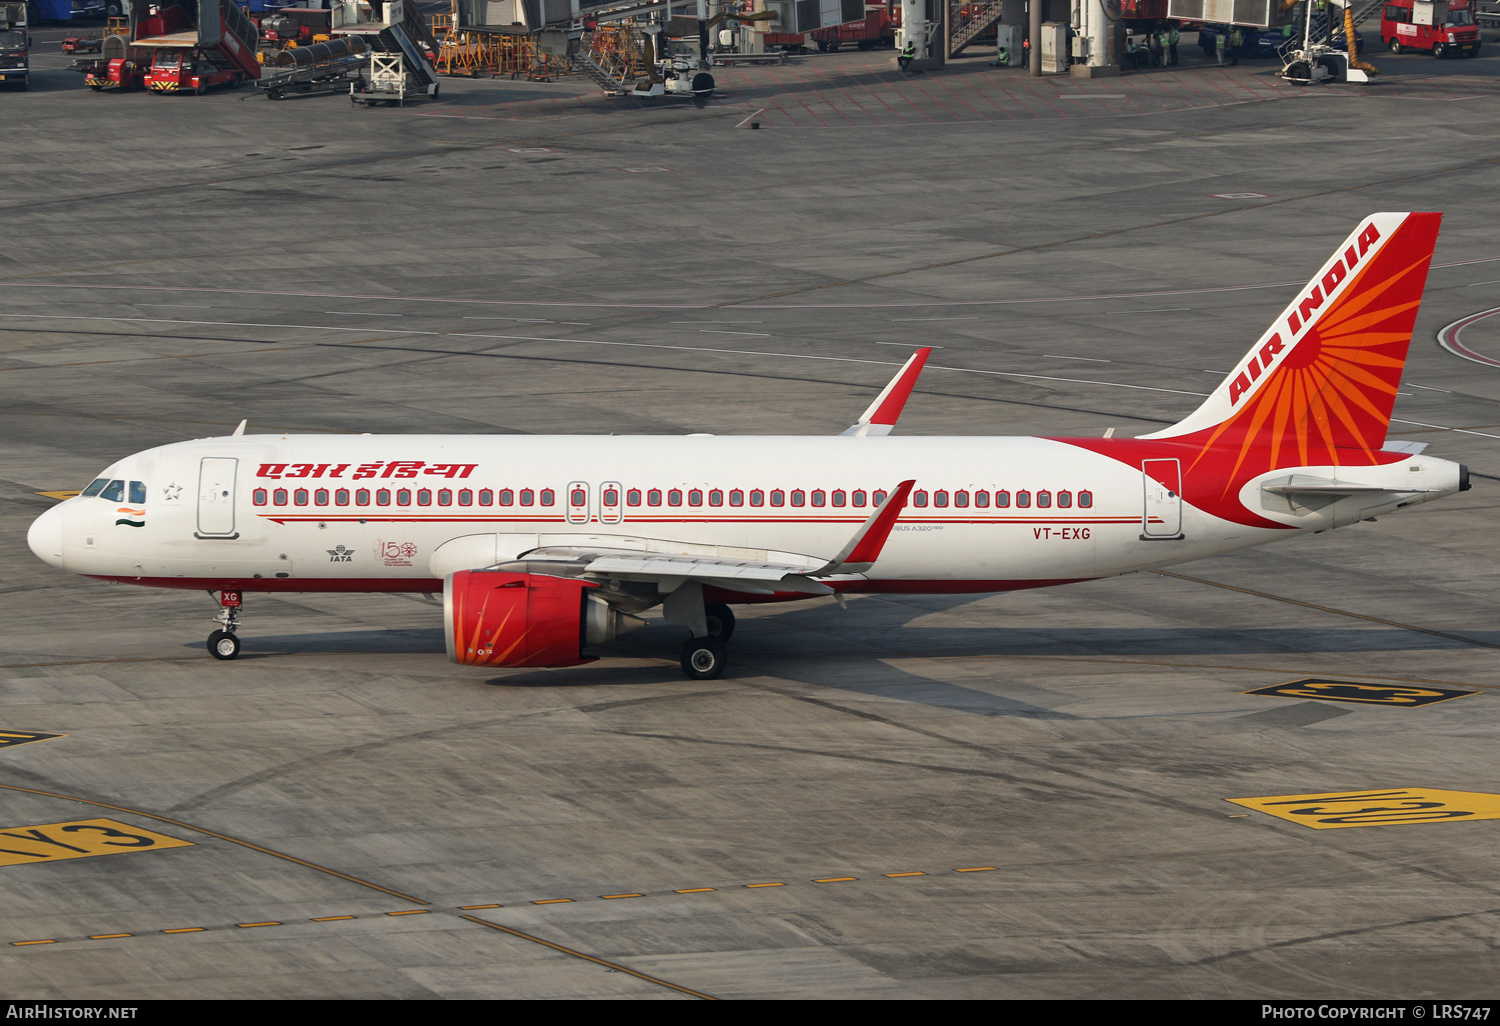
(544, 547)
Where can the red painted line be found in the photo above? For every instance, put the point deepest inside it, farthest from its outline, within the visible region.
(919, 86)
(1016, 99)
(942, 83)
(845, 93)
(892, 83)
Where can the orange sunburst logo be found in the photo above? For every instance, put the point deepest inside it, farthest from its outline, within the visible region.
(1329, 399)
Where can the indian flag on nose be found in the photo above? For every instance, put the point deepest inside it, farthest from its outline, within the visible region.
(132, 517)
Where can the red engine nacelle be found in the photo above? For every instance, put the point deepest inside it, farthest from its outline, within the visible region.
(498, 618)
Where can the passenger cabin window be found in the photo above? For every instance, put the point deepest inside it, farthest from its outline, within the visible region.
(839, 498)
(465, 497)
(280, 497)
(799, 497)
(859, 497)
(674, 497)
(778, 497)
(653, 497)
(382, 497)
(611, 497)
(320, 497)
(299, 497)
(819, 497)
(96, 486)
(1086, 499)
(1002, 499)
(633, 497)
(486, 497)
(1064, 499)
(528, 497)
(940, 498)
(1044, 499)
(579, 497)
(507, 497)
(736, 497)
(879, 496)
(548, 497)
(259, 497)
(424, 497)
(715, 497)
(341, 497)
(362, 497)
(961, 500)
(403, 496)
(137, 492)
(919, 498)
(982, 500)
(695, 497)
(1023, 499)
(757, 497)
(114, 491)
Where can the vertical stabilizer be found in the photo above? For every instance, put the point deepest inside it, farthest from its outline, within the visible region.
(1323, 377)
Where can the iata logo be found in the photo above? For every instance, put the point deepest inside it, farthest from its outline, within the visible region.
(340, 554)
(1302, 314)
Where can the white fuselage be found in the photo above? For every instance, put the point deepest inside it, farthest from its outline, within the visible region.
(398, 512)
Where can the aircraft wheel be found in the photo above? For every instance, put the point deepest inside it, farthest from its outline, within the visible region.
(703, 84)
(703, 658)
(720, 620)
(223, 645)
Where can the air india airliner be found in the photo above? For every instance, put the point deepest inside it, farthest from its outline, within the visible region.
(545, 547)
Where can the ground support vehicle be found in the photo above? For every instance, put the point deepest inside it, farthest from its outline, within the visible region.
(1255, 42)
(119, 68)
(1441, 27)
(300, 25)
(1312, 59)
(67, 10)
(196, 45)
(82, 44)
(319, 68)
(15, 46)
(878, 29)
(402, 51)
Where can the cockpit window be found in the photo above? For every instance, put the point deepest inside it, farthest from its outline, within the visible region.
(114, 491)
(137, 492)
(96, 487)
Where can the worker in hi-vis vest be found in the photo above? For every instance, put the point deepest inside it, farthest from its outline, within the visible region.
(908, 54)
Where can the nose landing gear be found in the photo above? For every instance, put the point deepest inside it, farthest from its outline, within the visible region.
(223, 644)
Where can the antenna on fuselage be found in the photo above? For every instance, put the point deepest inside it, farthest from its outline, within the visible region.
(239, 430)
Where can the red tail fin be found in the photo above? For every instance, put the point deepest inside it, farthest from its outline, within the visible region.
(1323, 379)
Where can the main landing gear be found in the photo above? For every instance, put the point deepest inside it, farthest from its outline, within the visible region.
(224, 644)
(703, 657)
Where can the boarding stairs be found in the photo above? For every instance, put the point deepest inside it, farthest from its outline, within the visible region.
(585, 64)
(981, 18)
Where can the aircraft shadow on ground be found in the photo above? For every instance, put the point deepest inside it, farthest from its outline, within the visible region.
(848, 650)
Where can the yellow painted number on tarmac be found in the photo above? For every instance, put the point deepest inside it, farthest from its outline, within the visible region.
(78, 839)
(1353, 691)
(1376, 807)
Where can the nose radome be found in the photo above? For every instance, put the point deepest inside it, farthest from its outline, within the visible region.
(46, 537)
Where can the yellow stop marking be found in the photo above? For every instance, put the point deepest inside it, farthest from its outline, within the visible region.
(78, 839)
(1377, 807)
(59, 496)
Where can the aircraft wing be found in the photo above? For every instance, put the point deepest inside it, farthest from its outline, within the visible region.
(780, 571)
(883, 413)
